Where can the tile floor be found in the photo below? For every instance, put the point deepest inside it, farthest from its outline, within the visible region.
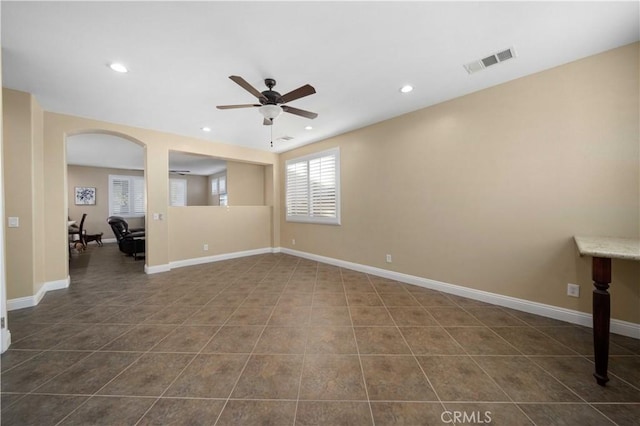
(279, 340)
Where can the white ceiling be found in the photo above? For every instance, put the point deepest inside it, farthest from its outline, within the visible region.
(102, 150)
(355, 54)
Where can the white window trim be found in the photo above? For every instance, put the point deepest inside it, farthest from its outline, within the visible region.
(131, 179)
(312, 219)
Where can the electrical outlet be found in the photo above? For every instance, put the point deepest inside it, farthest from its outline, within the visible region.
(205, 247)
(573, 290)
(388, 258)
(293, 241)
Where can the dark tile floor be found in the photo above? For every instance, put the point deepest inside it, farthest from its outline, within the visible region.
(277, 340)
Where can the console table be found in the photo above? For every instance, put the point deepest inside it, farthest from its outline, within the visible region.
(602, 250)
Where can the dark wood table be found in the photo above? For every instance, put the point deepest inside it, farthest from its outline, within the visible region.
(602, 250)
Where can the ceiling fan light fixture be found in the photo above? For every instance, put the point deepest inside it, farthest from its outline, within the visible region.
(270, 112)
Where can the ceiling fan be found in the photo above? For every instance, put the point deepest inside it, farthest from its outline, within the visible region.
(180, 172)
(271, 102)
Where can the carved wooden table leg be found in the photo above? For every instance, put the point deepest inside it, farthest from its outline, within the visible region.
(601, 273)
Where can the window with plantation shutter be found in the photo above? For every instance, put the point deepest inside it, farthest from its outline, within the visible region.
(313, 188)
(219, 185)
(214, 186)
(126, 196)
(178, 192)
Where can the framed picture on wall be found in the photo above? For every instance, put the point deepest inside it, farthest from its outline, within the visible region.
(85, 195)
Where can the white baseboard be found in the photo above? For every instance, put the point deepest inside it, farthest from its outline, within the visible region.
(109, 240)
(30, 301)
(156, 269)
(219, 257)
(207, 259)
(569, 315)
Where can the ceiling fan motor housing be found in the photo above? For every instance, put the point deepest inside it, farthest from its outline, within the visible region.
(272, 97)
(270, 109)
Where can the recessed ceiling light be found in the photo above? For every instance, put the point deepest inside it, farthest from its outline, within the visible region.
(118, 67)
(308, 128)
(406, 89)
(206, 129)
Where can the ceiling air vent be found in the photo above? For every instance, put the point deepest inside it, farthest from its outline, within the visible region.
(490, 60)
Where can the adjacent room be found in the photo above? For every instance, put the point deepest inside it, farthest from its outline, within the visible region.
(320, 213)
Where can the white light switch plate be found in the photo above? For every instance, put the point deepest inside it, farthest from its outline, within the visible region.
(14, 222)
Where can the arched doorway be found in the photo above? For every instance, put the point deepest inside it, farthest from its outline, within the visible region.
(105, 174)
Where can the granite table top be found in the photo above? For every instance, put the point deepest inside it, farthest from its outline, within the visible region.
(611, 247)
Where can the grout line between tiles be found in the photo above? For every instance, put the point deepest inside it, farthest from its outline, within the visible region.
(256, 268)
(487, 373)
(415, 359)
(353, 330)
(252, 350)
(304, 355)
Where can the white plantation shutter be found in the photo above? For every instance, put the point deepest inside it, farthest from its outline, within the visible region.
(313, 188)
(138, 196)
(214, 186)
(297, 189)
(126, 196)
(222, 184)
(322, 186)
(118, 196)
(178, 192)
(219, 185)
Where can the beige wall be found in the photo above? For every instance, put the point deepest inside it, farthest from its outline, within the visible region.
(97, 177)
(271, 197)
(487, 190)
(483, 191)
(23, 197)
(48, 187)
(37, 129)
(197, 194)
(157, 146)
(245, 184)
(224, 229)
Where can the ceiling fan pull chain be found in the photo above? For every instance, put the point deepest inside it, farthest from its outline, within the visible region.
(272, 133)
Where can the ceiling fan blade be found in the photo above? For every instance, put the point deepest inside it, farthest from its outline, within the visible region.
(246, 86)
(237, 106)
(300, 92)
(267, 122)
(300, 112)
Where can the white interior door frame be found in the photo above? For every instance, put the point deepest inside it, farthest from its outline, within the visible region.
(5, 335)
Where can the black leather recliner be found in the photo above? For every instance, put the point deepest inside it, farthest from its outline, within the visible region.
(130, 241)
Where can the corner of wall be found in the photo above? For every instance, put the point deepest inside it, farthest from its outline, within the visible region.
(31, 301)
